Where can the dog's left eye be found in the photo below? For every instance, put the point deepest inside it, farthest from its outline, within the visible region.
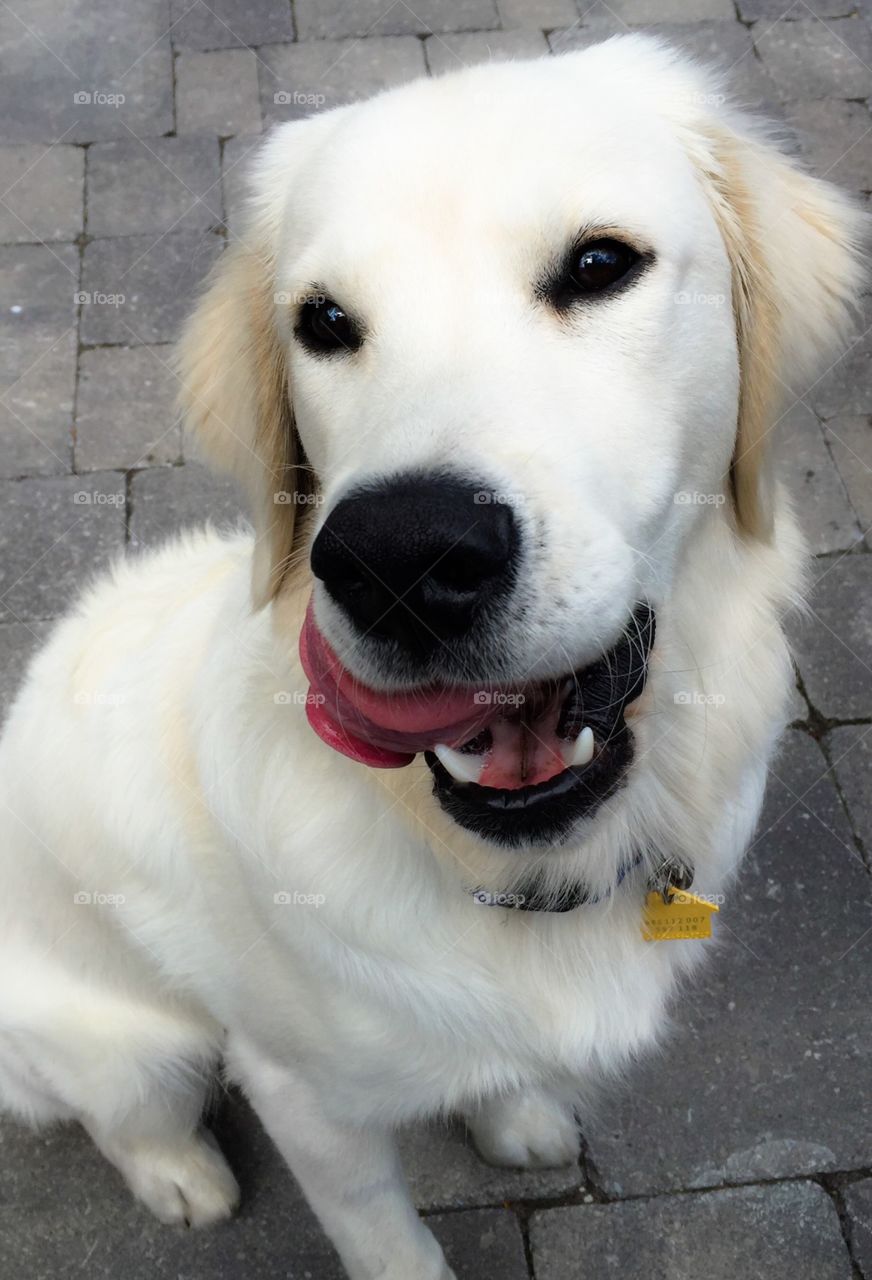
(323, 326)
(600, 265)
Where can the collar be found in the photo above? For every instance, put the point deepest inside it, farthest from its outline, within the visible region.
(531, 895)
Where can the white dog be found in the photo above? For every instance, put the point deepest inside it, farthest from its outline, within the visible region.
(507, 348)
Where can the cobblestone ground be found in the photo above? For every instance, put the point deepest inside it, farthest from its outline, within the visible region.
(745, 1148)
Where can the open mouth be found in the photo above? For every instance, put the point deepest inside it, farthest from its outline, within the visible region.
(515, 764)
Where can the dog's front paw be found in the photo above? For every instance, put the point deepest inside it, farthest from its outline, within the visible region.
(525, 1131)
(189, 1183)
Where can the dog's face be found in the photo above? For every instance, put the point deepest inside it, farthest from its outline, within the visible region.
(513, 310)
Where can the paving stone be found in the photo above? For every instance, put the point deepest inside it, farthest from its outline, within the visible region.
(167, 499)
(19, 641)
(851, 753)
(794, 10)
(217, 92)
(834, 645)
(846, 387)
(483, 1244)
(37, 357)
(764, 1074)
(812, 59)
(643, 13)
(296, 80)
(543, 15)
(163, 184)
(55, 532)
(786, 1232)
(126, 415)
(820, 498)
(139, 289)
(227, 24)
(98, 70)
(858, 1202)
(234, 179)
(42, 192)
(836, 139)
(850, 440)
(319, 19)
(445, 1172)
(568, 39)
(453, 52)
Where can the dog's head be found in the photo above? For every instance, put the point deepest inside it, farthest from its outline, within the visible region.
(490, 349)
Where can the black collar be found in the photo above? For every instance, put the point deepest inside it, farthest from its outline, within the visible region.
(532, 896)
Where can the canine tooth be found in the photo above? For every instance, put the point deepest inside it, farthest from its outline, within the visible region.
(463, 768)
(582, 748)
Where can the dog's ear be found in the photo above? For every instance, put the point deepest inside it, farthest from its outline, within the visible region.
(232, 369)
(794, 245)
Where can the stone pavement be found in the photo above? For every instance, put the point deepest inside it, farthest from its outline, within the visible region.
(745, 1148)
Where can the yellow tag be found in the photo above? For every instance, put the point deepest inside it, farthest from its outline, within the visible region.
(683, 916)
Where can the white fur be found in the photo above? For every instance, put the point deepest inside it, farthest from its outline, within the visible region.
(158, 757)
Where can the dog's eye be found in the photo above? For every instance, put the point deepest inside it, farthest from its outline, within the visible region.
(323, 326)
(600, 265)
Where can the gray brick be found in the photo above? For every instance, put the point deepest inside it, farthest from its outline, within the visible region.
(19, 641)
(126, 414)
(765, 1072)
(484, 1244)
(97, 49)
(851, 753)
(811, 59)
(836, 139)
(846, 387)
(37, 357)
(234, 170)
(850, 440)
(445, 1172)
(834, 646)
(163, 184)
(794, 10)
(813, 481)
(454, 52)
(217, 93)
(330, 72)
(728, 49)
(337, 18)
(543, 15)
(858, 1202)
(227, 24)
(55, 533)
(568, 39)
(782, 1232)
(643, 13)
(156, 277)
(167, 499)
(41, 193)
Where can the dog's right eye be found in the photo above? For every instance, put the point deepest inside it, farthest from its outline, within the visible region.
(322, 326)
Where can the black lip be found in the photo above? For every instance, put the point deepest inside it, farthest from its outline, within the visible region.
(546, 813)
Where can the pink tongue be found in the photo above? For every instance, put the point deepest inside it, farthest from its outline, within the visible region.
(383, 730)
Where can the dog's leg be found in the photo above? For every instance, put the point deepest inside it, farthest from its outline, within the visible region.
(525, 1130)
(350, 1174)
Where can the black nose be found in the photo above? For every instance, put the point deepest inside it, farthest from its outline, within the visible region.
(417, 558)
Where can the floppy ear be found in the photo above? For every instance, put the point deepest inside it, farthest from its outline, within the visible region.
(233, 374)
(794, 244)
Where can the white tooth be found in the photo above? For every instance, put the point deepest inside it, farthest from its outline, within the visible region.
(582, 749)
(463, 768)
